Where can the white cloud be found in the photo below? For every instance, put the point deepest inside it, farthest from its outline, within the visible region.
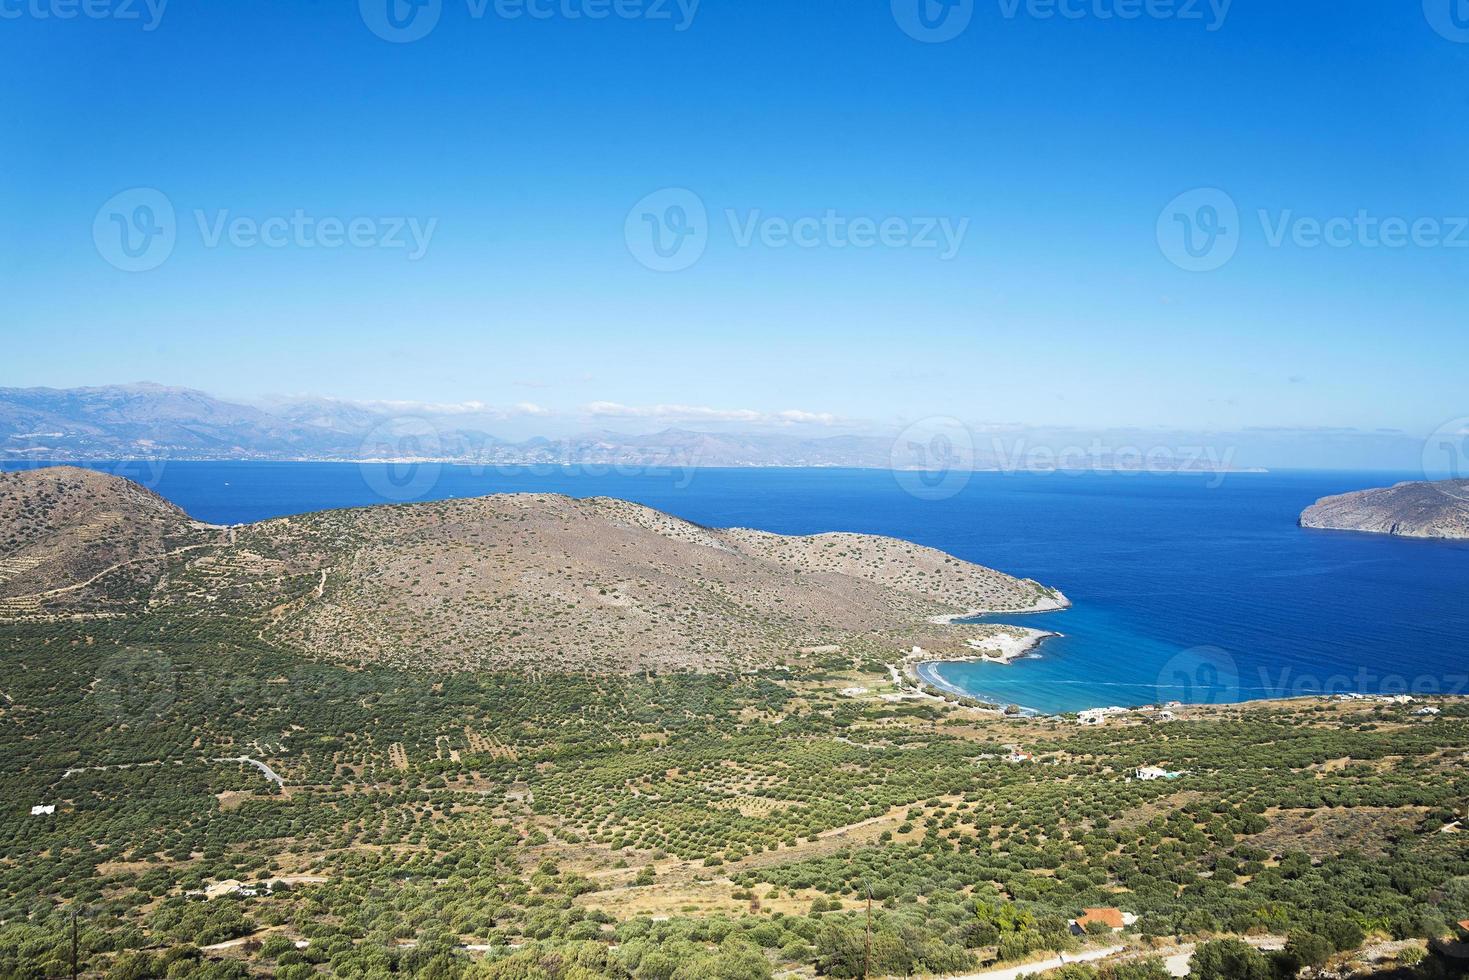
(475, 408)
(431, 408)
(799, 417)
(704, 413)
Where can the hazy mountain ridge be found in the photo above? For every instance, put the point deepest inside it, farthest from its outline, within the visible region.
(1413, 510)
(150, 421)
(156, 421)
(524, 581)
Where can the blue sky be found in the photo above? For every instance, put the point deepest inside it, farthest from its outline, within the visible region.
(522, 145)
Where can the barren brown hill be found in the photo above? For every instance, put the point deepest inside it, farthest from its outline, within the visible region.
(61, 526)
(1413, 510)
(548, 582)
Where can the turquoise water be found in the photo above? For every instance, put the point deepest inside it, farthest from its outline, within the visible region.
(1184, 588)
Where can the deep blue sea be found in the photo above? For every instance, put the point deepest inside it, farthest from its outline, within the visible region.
(1189, 588)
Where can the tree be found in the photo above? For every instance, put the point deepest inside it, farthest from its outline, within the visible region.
(1229, 959)
(1304, 949)
(839, 952)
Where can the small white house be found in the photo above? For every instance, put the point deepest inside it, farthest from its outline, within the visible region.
(1148, 774)
(1098, 716)
(43, 809)
(1430, 710)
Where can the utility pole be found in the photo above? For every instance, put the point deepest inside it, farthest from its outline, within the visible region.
(73, 944)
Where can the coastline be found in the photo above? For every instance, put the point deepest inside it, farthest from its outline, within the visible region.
(1003, 646)
(921, 669)
(1050, 600)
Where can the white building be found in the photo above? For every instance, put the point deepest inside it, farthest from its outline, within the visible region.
(1098, 716)
(1149, 773)
(43, 809)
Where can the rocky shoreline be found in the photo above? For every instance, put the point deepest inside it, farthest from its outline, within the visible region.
(1051, 600)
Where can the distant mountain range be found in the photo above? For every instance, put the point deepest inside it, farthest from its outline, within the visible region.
(151, 421)
(154, 421)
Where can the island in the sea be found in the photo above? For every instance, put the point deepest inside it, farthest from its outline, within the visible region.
(1412, 510)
